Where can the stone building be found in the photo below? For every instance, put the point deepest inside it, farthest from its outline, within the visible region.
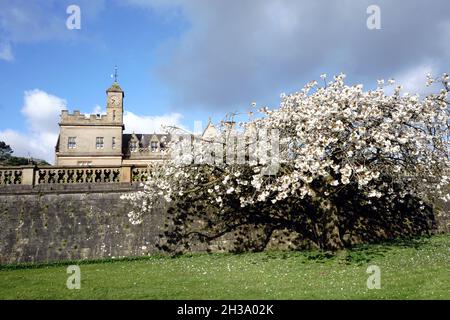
(99, 139)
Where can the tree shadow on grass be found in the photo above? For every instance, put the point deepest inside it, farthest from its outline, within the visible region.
(319, 256)
(364, 253)
(358, 254)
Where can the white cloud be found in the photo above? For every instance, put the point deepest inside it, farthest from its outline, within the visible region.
(144, 123)
(6, 52)
(414, 80)
(150, 124)
(230, 55)
(98, 110)
(41, 111)
(24, 21)
(38, 146)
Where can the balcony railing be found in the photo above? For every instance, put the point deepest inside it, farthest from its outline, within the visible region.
(32, 175)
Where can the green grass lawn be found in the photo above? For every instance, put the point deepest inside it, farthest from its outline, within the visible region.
(416, 269)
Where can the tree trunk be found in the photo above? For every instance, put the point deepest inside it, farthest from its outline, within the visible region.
(331, 238)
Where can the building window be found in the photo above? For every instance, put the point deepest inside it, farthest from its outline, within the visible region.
(133, 146)
(114, 142)
(71, 144)
(99, 143)
(114, 116)
(154, 146)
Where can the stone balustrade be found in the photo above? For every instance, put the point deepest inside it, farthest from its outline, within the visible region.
(11, 176)
(32, 175)
(139, 174)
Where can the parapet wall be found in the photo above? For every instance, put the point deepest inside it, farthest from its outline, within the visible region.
(65, 222)
(77, 118)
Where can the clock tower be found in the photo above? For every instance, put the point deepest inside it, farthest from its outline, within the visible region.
(114, 106)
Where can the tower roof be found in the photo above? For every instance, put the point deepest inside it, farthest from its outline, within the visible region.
(114, 88)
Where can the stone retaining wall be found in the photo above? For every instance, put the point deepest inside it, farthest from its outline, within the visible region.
(68, 222)
(51, 222)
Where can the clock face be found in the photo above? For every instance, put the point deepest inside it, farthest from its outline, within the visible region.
(115, 101)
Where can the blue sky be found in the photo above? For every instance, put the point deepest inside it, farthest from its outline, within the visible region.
(77, 66)
(183, 61)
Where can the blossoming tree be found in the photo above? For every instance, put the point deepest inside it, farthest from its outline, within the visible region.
(334, 164)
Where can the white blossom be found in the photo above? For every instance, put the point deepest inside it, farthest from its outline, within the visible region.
(339, 135)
